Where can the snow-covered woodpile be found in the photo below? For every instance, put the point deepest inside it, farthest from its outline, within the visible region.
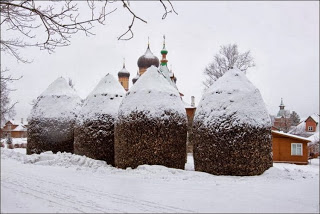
(52, 118)
(94, 130)
(232, 128)
(151, 126)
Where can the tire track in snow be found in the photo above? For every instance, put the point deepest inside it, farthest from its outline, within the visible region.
(50, 196)
(141, 205)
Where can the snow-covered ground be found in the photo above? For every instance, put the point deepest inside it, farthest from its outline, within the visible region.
(71, 183)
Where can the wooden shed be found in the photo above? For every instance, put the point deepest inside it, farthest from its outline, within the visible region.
(288, 148)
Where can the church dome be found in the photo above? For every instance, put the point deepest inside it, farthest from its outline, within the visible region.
(124, 72)
(148, 59)
(134, 80)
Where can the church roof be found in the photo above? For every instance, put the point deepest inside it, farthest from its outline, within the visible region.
(123, 72)
(148, 59)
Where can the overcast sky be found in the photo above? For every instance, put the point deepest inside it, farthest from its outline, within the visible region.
(283, 38)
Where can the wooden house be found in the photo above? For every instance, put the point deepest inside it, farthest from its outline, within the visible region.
(288, 148)
(14, 129)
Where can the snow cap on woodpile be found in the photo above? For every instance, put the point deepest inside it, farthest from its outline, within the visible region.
(59, 100)
(52, 119)
(94, 130)
(152, 124)
(231, 133)
(233, 95)
(152, 94)
(104, 99)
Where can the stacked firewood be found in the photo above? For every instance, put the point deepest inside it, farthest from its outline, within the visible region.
(95, 138)
(50, 135)
(155, 141)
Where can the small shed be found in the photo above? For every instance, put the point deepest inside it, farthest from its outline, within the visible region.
(289, 148)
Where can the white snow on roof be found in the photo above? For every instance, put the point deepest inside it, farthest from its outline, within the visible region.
(315, 117)
(20, 127)
(290, 135)
(165, 71)
(58, 101)
(301, 127)
(124, 70)
(152, 94)
(235, 96)
(314, 138)
(104, 99)
(187, 105)
(149, 54)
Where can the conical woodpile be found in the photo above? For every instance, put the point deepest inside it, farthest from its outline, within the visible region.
(151, 126)
(94, 131)
(232, 128)
(52, 118)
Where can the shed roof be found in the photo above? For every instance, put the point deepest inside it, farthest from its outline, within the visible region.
(290, 136)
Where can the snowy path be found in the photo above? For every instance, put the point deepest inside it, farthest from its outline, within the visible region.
(70, 183)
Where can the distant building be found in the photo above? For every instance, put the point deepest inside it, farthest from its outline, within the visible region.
(309, 128)
(14, 129)
(282, 121)
(147, 60)
(123, 76)
(288, 148)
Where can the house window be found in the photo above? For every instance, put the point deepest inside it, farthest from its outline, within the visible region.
(296, 149)
(310, 128)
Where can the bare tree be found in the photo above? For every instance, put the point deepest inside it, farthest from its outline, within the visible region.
(7, 107)
(51, 24)
(227, 58)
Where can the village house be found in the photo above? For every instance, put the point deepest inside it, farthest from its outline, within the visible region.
(14, 129)
(309, 128)
(288, 148)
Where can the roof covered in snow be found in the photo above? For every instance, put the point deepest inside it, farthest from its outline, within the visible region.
(58, 101)
(152, 94)
(20, 128)
(166, 73)
(301, 127)
(104, 99)
(290, 135)
(233, 95)
(148, 59)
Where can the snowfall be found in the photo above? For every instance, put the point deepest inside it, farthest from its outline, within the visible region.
(69, 183)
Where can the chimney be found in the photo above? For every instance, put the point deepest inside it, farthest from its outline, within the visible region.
(192, 102)
(21, 120)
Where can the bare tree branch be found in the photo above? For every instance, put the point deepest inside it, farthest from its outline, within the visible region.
(226, 59)
(59, 24)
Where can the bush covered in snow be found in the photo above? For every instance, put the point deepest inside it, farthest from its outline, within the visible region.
(94, 130)
(151, 126)
(232, 128)
(52, 118)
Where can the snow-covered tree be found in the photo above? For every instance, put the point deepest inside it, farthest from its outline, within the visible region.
(227, 58)
(295, 118)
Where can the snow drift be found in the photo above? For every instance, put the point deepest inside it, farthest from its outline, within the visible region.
(94, 130)
(52, 118)
(151, 127)
(232, 130)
